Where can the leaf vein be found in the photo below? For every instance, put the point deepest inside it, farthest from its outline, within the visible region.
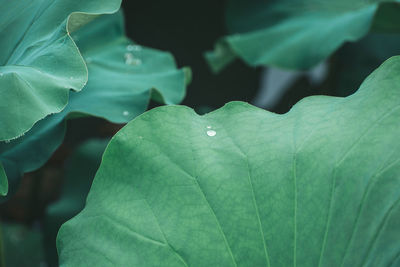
(339, 162)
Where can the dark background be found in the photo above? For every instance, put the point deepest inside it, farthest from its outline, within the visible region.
(187, 29)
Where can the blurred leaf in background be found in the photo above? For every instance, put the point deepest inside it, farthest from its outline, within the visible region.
(355, 61)
(22, 245)
(39, 61)
(81, 168)
(187, 29)
(339, 76)
(297, 34)
(123, 77)
(3, 182)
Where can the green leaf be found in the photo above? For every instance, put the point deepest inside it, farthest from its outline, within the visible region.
(115, 91)
(115, 63)
(297, 35)
(39, 61)
(3, 181)
(317, 186)
(80, 170)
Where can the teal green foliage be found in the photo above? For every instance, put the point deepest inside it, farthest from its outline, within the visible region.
(240, 186)
(40, 62)
(123, 76)
(297, 34)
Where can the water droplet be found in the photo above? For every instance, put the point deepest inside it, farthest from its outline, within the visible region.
(133, 47)
(125, 113)
(131, 60)
(208, 127)
(211, 133)
(128, 58)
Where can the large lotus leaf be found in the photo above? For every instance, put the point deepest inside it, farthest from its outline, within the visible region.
(297, 34)
(39, 61)
(81, 167)
(317, 186)
(122, 78)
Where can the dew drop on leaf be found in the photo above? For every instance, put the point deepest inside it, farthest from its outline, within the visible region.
(211, 133)
(125, 113)
(128, 58)
(133, 47)
(131, 60)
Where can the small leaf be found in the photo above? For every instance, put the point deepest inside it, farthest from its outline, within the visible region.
(317, 186)
(297, 35)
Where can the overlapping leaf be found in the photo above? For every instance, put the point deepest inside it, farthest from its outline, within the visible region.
(297, 34)
(240, 186)
(123, 76)
(39, 61)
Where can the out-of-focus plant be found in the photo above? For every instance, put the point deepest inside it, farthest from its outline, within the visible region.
(123, 77)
